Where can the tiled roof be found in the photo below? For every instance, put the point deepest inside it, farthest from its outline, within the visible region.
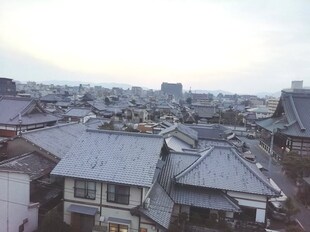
(297, 110)
(206, 112)
(160, 207)
(292, 115)
(56, 140)
(113, 156)
(77, 112)
(224, 168)
(33, 164)
(203, 198)
(204, 143)
(97, 105)
(51, 98)
(176, 162)
(210, 131)
(182, 128)
(15, 106)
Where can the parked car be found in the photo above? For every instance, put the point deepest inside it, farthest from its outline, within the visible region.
(275, 206)
(251, 136)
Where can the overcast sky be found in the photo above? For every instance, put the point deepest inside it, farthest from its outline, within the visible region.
(240, 46)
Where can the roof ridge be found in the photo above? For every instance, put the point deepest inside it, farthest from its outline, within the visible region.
(193, 165)
(51, 127)
(302, 128)
(243, 161)
(231, 200)
(16, 157)
(125, 133)
(22, 111)
(182, 153)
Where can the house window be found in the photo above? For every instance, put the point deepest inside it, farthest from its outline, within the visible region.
(85, 189)
(118, 194)
(117, 228)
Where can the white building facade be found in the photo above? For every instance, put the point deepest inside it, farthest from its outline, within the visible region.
(17, 213)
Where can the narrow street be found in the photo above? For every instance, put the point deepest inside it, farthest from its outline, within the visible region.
(285, 183)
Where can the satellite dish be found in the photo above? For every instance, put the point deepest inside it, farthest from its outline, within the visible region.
(102, 218)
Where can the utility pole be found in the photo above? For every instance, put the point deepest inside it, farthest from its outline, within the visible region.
(271, 151)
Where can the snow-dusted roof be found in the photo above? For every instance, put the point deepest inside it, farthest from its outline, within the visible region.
(183, 129)
(224, 168)
(56, 140)
(113, 156)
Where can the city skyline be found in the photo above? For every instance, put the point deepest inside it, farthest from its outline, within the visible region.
(238, 46)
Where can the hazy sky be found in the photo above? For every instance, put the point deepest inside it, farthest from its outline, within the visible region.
(243, 46)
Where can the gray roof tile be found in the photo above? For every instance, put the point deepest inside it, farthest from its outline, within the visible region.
(77, 112)
(224, 168)
(292, 114)
(182, 128)
(15, 106)
(113, 156)
(33, 164)
(203, 198)
(160, 207)
(56, 140)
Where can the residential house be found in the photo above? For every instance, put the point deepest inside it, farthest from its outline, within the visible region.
(216, 180)
(52, 142)
(17, 212)
(182, 132)
(22, 114)
(42, 191)
(261, 112)
(76, 114)
(106, 175)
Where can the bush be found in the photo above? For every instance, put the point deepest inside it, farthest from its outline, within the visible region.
(53, 222)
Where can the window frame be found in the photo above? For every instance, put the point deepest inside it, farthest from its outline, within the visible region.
(118, 197)
(118, 226)
(88, 193)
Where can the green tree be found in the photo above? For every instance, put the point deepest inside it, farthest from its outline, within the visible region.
(290, 208)
(189, 100)
(295, 166)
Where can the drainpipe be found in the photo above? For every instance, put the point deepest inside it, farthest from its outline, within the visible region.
(100, 203)
(141, 202)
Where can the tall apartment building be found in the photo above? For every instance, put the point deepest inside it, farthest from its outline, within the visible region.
(175, 89)
(136, 90)
(272, 104)
(7, 86)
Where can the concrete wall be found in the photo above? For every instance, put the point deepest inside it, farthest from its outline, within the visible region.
(15, 208)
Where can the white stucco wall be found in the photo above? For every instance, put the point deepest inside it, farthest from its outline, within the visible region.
(260, 215)
(14, 203)
(108, 209)
(183, 137)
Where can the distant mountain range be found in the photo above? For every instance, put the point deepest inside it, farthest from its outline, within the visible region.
(216, 92)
